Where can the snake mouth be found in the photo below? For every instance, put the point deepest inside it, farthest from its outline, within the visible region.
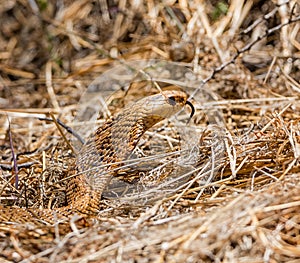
(192, 108)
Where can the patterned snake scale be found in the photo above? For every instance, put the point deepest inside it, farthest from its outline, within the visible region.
(101, 156)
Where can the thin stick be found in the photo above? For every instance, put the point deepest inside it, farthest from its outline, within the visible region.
(67, 128)
(61, 132)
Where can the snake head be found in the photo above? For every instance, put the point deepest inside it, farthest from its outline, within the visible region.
(163, 105)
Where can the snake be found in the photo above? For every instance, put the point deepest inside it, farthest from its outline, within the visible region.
(102, 155)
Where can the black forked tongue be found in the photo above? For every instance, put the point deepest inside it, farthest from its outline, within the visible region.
(192, 108)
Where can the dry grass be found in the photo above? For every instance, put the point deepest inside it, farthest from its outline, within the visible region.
(243, 207)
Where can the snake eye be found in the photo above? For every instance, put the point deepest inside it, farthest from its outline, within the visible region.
(172, 101)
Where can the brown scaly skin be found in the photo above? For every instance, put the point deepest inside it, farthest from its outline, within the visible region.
(101, 156)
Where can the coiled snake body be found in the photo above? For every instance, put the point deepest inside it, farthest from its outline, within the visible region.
(102, 155)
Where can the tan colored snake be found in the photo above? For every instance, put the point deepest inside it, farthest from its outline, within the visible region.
(102, 155)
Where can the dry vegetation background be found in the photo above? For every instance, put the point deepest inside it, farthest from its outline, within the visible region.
(50, 51)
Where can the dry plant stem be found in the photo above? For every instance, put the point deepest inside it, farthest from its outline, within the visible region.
(174, 17)
(293, 36)
(13, 156)
(278, 207)
(231, 152)
(270, 69)
(286, 44)
(50, 87)
(243, 101)
(294, 84)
